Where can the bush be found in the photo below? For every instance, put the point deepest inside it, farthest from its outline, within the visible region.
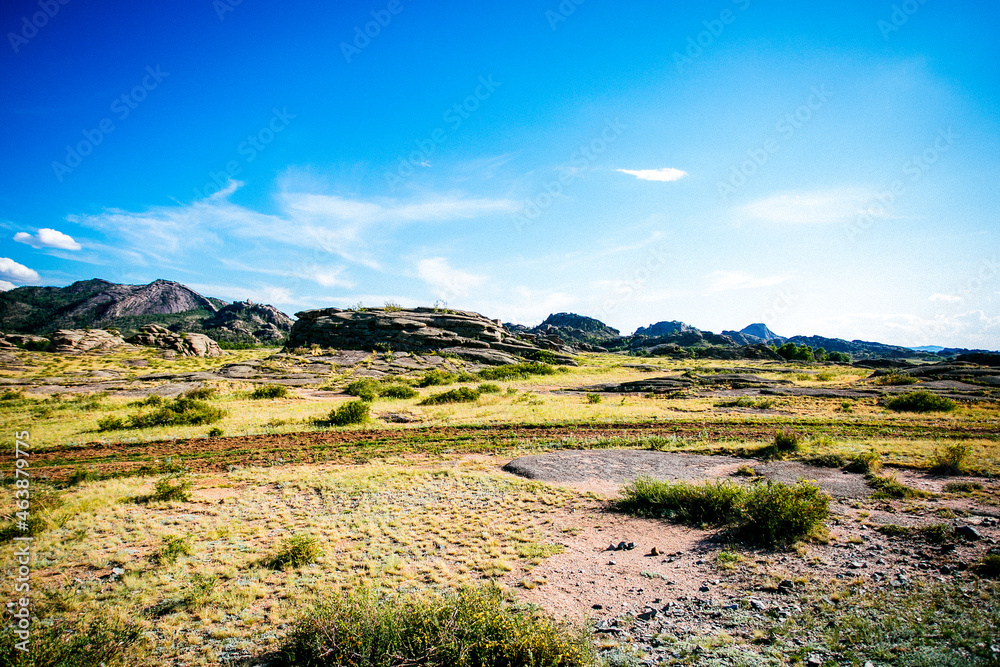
(266, 391)
(489, 388)
(167, 490)
(460, 395)
(102, 642)
(179, 412)
(173, 547)
(215, 432)
(398, 391)
(828, 461)
(938, 533)
(950, 459)
(989, 566)
(786, 441)
(889, 488)
(775, 513)
(112, 423)
(201, 393)
(963, 487)
(436, 378)
(747, 402)
(544, 356)
(481, 626)
(712, 503)
(352, 412)
(867, 463)
(296, 551)
(839, 357)
(593, 398)
(920, 401)
(895, 377)
(516, 371)
(767, 514)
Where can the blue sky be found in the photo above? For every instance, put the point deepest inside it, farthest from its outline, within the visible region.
(826, 169)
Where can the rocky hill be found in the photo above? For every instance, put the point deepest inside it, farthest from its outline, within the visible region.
(464, 334)
(577, 331)
(101, 304)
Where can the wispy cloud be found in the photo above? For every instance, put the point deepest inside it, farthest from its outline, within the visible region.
(724, 281)
(664, 175)
(48, 238)
(448, 282)
(5, 285)
(810, 208)
(18, 273)
(945, 298)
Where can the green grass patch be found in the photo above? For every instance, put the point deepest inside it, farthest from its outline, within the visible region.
(100, 642)
(182, 411)
(295, 551)
(460, 395)
(890, 488)
(517, 371)
(920, 401)
(768, 514)
(269, 391)
(169, 488)
(963, 487)
(352, 412)
(474, 626)
(747, 402)
(173, 547)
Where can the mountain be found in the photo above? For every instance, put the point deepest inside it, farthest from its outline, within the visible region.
(576, 330)
(102, 304)
(760, 330)
(664, 329)
(927, 348)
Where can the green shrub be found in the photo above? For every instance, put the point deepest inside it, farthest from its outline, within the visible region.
(215, 432)
(963, 487)
(460, 395)
(150, 401)
(171, 487)
(775, 513)
(544, 356)
(366, 389)
(517, 371)
(713, 503)
(489, 388)
(920, 401)
(938, 533)
(950, 459)
(179, 412)
(867, 463)
(475, 626)
(989, 566)
(593, 398)
(768, 514)
(889, 488)
(828, 461)
(266, 391)
(398, 391)
(296, 551)
(436, 378)
(839, 357)
(112, 423)
(201, 393)
(173, 547)
(101, 642)
(786, 441)
(747, 402)
(352, 412)
(895, 377)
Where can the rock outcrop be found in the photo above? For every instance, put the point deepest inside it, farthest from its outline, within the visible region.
(75, 341)
(249, 321)
(185, 344)
(468, 335)
(568, 331)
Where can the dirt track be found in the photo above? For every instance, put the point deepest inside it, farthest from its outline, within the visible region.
(216, 454)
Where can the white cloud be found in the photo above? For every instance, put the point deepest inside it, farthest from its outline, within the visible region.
(664, 175)
(724, 281)
(17, 272)
(48, 238)
(4, 286)
(811, 208)
(946, 298)
(449, 282)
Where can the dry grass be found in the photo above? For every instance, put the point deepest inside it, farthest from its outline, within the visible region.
(388, 525)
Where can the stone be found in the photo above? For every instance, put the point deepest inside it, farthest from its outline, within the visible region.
(757, 604)
(467, 335)
(786, 586)
(968, 533)
(185, 344)
(75, 341)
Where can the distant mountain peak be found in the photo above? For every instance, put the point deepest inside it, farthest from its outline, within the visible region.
(760, 330)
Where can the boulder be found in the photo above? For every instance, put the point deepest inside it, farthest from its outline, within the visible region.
(465, 334)
(24, 341)
(74, 341)
(185, 344)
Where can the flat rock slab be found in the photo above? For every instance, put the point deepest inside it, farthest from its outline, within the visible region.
(624, 465)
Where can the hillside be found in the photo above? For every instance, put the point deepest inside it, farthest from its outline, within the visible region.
(102, 304)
